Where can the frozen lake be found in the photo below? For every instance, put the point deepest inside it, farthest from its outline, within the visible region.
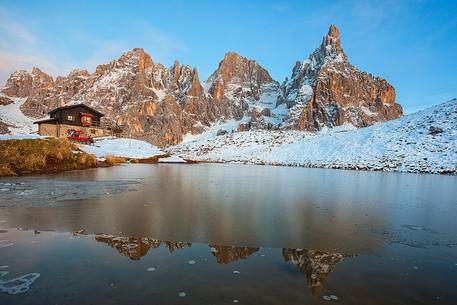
(220, 234)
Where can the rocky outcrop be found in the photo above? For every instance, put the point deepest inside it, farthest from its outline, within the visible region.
(5, 100)
(326, 90)
(4, 127)
(239, 84)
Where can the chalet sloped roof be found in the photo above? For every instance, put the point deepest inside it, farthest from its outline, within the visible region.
(74, 106)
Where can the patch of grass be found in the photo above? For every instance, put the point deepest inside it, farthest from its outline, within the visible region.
(112, 160)
(34, 156)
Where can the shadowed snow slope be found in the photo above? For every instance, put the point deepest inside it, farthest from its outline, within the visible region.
(425, 141)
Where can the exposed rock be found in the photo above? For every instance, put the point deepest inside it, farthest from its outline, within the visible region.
(326, 90)
(221, 132)
(244, 127)
(238, 84)
(435, 130)
(19, 84)
(4, 128)
(5, 100)
(266, 112)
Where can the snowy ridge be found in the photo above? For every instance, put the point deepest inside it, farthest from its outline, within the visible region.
(423, 142)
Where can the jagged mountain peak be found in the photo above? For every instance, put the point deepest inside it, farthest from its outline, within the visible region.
(233, 56)
(40, 76)
(135, 57)
(78, 73)
(331, 44)
(237, 69)
(326, 90)
(196, 88)
(237, 83)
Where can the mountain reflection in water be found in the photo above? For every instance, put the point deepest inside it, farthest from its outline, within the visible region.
(316, 265)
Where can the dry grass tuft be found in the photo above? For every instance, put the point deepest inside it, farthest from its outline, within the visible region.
(112, 160)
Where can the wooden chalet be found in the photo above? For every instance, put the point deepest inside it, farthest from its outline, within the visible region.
(77, 117)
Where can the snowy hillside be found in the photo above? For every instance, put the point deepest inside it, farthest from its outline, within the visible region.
(425, 141)
(12, 116)
(128, 148)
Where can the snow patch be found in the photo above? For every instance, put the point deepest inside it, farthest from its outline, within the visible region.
(11, 114)
(122, 147)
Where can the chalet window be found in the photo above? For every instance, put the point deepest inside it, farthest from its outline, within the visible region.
(70, 118)
(86, 120)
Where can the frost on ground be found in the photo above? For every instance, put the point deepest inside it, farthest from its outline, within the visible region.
(120, 147)
(423, 142)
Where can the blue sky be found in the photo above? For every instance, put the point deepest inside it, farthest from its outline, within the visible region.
(413, 44)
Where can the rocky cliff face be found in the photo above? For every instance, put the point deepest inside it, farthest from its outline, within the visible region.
(159, 104)
(147, 99)
(326, 90)
(239, 85)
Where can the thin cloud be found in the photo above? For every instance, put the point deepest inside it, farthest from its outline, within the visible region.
(19, 48)
(22, 48)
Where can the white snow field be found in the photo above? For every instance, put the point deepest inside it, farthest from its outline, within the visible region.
(13, 116)
(121, 147)
(423, 142)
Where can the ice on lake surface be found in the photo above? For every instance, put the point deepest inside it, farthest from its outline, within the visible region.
(226, 233)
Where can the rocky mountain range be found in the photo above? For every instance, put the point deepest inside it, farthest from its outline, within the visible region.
(161, 105)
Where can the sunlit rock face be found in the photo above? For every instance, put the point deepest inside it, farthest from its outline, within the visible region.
(162, 104)
(326, 90)
(316, 265)
(238, 85)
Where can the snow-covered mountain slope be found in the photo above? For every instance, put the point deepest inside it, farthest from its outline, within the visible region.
(12, 118)
(423, 142)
